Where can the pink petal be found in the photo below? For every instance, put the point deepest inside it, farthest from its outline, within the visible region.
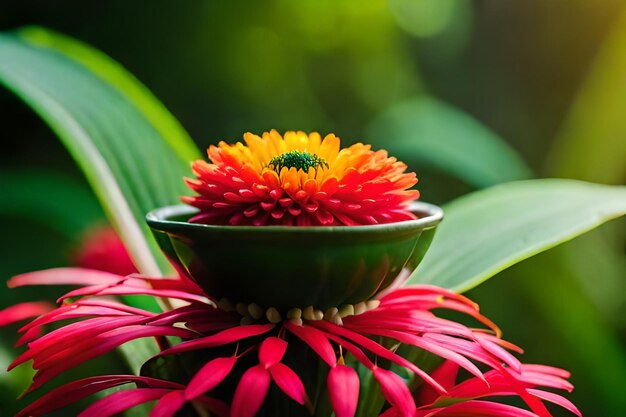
(71, 336)
(271, 351)
(179, 283)
(343, 390)
(77, 390)
(380, 351)
(481, 409)
(395, 391)
(123, 400)
(446, 375)
(500, 353)
(65, 276)
(211, 374)
(30, 334)
(83, 291)
(546, 376)
(353, 349)
(105, 343)
(288, 382)
(533, 402)
(426, 345)
(316, 341)
(212, 317)
(548, 370)
(556, 399)
(168, 405)
(500, 382)
(127, 290)
(219, 339)
(115, 306)
(23, 311)
(465, 347)
(82, 309)
(250, 392)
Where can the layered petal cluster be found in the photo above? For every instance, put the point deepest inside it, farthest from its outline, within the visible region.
(297, 365)
(302, 180)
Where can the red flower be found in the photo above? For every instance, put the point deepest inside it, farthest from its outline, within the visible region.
(234, 366)
(300, 180)
(102, 249)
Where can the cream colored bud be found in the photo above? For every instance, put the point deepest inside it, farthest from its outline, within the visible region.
(255, 311)
(328, 315)
(226, 305)
(346, 310)
(294, 313)
(372, 304)
(360, 308)
(241, 308)
(273, 316)
(308, 313)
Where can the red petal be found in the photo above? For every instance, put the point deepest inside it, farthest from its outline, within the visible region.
(65, 276)
(127, 290)
(446, 375)
(168, 405)
(122, 401)
(343, 389)
(84, 308)
(380, 351)
(288, 382)
(250, 392)
(271, 351)
(98, 346)
(209, 376)
(420, 342)
(77, 390)
(23, 311)
(479, 409)
(395, 391)
(222, 338)
(316, 341)
(75, 335)
(556, 399)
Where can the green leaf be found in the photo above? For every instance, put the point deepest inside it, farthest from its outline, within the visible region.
(133, 153)
(112, 72)
(51, 199)
(487, 231)
(425, 131)
(131, 150)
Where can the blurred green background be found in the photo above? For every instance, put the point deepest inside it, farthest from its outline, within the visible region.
(546, 77)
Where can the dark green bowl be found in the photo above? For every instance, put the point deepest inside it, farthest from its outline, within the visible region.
(287, 266)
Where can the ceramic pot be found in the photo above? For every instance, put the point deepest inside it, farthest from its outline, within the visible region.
(287, 266)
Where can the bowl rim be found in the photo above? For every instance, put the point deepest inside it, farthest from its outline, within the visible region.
(158, 219)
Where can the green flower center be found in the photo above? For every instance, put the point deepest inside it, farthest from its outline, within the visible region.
(298, 160)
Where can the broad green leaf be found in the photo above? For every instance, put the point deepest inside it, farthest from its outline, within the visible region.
(489, 230)
(425, 131)
(131, 150)
(112, 72)
(591, 143)
(50, 198)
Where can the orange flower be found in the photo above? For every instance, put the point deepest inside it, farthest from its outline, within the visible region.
(301, 180)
